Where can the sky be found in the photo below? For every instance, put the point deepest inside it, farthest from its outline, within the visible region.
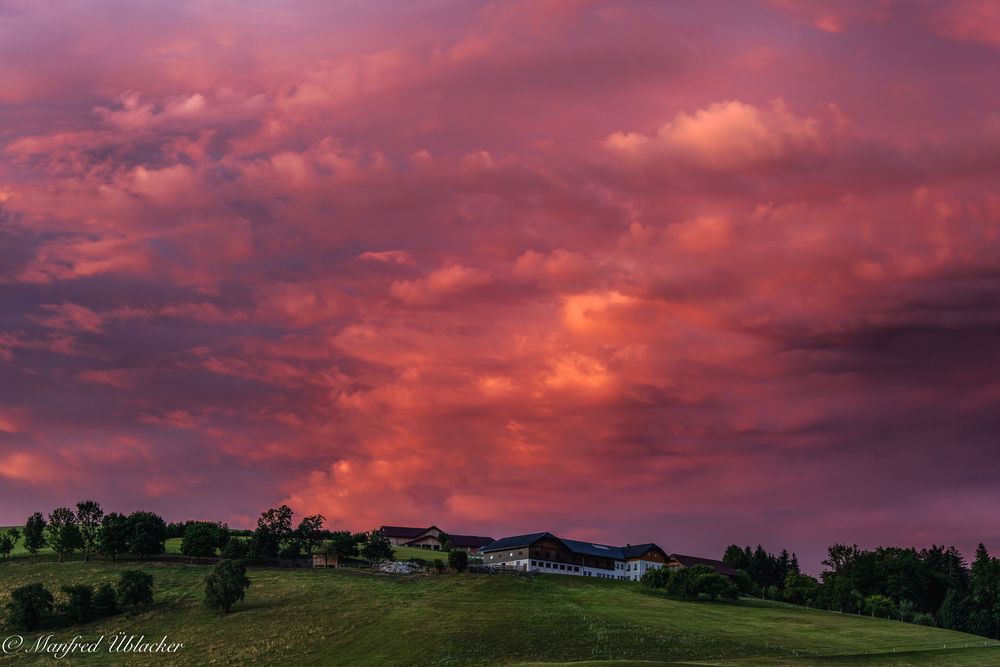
(690, 273)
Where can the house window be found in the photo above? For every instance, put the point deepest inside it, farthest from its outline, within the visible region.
(576, 569)
(533, 563)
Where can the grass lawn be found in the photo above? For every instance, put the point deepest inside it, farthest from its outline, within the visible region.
(347, 617)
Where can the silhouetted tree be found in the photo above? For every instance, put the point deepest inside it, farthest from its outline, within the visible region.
(377, 548)
(34, 534)
(146, 534)
(310, 532)
(226, 585)
(62, 532)
(88, 516)
(8, 540)
(113, 538)
(200, 539)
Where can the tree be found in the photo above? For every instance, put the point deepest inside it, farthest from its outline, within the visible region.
(146, 534)
(445, 541)
(840, 556)
(880, 606)
(105, 601)
(793, 565)
(88, 516)
(458, 559)
(984, 590)
(200, 539)
(709, 584)
(63, 533)
(274, 531)
(113, 537)
(30, 606)
(656, 578)
(234, 549)
(736, 558)
(343, 544)
(8, 540)
(78, 607)
(746, 585)
(377, 548)
(34, 534)
(800, 588)
(311, 532)
(954, 611)
(135, 588)
(226, 585)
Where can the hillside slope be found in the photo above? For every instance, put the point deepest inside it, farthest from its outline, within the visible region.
(354, 618)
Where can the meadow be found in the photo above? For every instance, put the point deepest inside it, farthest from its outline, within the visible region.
(353, 617)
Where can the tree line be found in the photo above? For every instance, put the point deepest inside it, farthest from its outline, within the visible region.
(87, 529)
(931, 586)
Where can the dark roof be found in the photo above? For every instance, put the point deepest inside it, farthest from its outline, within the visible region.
(575, 546)
(470, 540)
(592, 549)
(516, 541)
(717, 565)
(403, 531)
(636, 550)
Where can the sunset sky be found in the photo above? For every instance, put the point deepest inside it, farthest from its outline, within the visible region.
(684, 272)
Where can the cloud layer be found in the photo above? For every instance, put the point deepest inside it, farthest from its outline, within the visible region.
(627, 272)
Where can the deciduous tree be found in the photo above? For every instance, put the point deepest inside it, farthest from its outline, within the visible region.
(113, 537)
(88, 516)
(62, 532)
(226, 585)
(34, 534)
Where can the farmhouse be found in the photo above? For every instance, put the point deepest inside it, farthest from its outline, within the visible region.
(546, 553)
(431, 538)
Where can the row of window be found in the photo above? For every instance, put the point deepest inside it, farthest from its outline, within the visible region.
(554, 566)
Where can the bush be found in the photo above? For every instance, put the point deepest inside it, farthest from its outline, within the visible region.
(78, 607)
(135, 589)
(458, 559)
(656, 578)
(30, 607)
(105, 602)
(714, 586)
(226, 585)
(680, 584)
(691, 583)
(439, 565)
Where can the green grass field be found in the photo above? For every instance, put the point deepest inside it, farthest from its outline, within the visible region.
(347, 617)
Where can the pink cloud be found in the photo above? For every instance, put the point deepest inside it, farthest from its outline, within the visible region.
(70, 317)
(724, 135)
(442, 283)
(389, 266)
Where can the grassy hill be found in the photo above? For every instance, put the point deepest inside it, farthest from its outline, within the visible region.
(344, 617)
